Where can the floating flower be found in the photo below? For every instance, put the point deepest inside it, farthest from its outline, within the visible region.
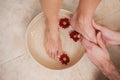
(64, 59)
(75, 36)
(64, 23)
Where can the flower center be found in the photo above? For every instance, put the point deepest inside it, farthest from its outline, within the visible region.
(64, 23)
(64, 59)
(75, 36)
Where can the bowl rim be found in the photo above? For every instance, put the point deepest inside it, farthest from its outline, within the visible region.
(30, 54)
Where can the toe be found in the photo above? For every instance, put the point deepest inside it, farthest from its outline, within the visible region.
(56, 55)
(53, 55)
(49, 53)
(53, 52)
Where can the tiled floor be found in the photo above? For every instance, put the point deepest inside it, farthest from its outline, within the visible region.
(16, 64)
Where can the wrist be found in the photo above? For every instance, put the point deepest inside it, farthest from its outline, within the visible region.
(110, 71)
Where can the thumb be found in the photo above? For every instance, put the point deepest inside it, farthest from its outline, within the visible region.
(96, 26)
(87, 44)
(100, 41)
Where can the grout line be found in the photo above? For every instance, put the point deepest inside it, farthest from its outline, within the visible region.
(12, 59)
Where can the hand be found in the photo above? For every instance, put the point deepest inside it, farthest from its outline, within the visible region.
(109, 36)
(98, 54)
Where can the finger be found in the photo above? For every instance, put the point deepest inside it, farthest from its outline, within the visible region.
(100, 41)
(87, 44)
(92, 37)
(96, 26)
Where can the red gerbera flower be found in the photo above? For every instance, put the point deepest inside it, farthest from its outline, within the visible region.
(64, 59)
(75, 35)
(64, 23)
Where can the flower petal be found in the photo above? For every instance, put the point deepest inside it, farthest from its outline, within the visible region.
(74, 35)
(64, 59)
(64, 23)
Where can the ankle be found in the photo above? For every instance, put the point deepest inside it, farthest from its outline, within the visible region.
(52, 20)
(52, 24)
(82, 17)
(84, 20)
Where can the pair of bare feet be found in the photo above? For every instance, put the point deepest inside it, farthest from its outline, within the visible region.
(87, 28)
(52, 39)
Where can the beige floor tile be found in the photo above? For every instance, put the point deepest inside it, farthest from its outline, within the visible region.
(14, 18)
(25, 68)
(112, 21)
(106, 8)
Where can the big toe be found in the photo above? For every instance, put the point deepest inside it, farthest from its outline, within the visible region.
(52, 53)
(58, 53)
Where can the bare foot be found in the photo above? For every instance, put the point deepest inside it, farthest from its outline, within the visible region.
(52, 41)
(83, 26)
